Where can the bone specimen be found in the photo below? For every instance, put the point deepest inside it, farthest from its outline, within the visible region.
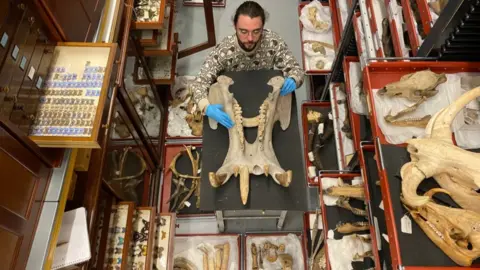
(410, 122)
(341, 252)
(455, 231)
(270, 251)
(343, 202)
(345, 190)
(243, 157)
(312, 17)
(316, 254)
(320, 130)
(179, 180)
(218, 256)
(204, 250)
(451, 229)
(181, 263)
(226, 255)
(254, 257)
(416, 87)
(438, 6)
(286, 260)
(455, 170)
(319, 262)
(352, 227)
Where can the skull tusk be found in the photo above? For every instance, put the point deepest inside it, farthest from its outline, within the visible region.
(217, 180)
(244, 183)
(236, 169)
(284, 178)
(433, 191)
(412, 177)
(265, 169)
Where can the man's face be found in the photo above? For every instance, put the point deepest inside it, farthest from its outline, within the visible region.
(249, 31)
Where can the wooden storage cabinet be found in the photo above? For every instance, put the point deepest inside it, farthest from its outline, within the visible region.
(75, 20)
(22, 189)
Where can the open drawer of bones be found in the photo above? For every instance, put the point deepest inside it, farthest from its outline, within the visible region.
(405, 107)
(207, 252)
(348, 239)
(270, 252)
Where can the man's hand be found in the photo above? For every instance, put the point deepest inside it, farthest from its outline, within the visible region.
(289, 85)
(215, 111)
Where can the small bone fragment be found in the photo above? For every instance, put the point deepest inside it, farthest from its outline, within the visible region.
(254, 257)
(286, 260)
(313, 116)
(244, 183)
(281, 248)
(312, 17)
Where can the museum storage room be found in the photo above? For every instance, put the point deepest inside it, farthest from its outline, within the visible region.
(231, 135)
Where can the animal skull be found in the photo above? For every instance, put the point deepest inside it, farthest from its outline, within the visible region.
(455, 231)
(242, 157)
(415, 86)
(456, 170)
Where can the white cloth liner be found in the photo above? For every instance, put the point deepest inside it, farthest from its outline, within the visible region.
(347, 144)
(342, 4)
(341, 252)
(177, 125)
(310, 33)
(186, 247)
(356, 84)
(465, 135)
(293, 246)
(380, 13)
(362, 36)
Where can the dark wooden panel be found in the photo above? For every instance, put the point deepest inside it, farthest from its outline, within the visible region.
(8, 248)
(76, 20)
(23, 186)
(9, 25)
(16, 193)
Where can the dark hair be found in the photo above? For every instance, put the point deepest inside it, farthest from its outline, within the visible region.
(251, 9)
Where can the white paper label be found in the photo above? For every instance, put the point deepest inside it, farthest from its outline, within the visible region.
(392, 9)
(311, 157)
(331, 234)
(316, 179)
(31, 73)
(357, 181)
(381, 205)
(312, 172)
(321, 127)
(406, 224)
(377, 233)
(369, 13)
(386, 238)
(187, 203)
(330, 116)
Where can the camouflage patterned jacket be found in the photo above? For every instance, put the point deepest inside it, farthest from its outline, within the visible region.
(270, 52)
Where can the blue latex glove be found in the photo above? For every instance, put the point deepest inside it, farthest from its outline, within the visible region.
(215, 111)
(289, 85)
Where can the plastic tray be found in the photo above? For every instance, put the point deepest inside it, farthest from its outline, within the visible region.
(406, 248)
(251, 235)
(329, 150)
(333, 215)
(373, 194)
(410, 22)
(354, 118)
(377, 75)
(393, 30)
(335, 33)
(374, 27)
(183, 166)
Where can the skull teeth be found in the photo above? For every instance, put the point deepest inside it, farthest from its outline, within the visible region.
(437, 232)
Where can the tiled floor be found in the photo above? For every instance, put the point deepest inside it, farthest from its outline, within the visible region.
(282, 18)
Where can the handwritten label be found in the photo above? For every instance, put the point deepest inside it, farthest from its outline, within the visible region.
(188, 204)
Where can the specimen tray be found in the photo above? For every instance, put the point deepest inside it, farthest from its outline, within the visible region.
(250, 89)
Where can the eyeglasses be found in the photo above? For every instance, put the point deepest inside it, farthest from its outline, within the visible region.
(254, 33)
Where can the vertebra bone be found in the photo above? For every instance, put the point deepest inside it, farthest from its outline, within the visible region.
(243, 157)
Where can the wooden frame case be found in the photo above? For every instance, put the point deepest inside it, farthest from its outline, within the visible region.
(151, 236)
(92, 141)
(151, 25)
(147, 42)
(155, 50)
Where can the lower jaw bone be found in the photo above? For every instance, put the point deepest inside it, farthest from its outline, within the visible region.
(243, 157)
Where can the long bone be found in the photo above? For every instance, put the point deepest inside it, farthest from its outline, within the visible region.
(259, 157)
(456, 170)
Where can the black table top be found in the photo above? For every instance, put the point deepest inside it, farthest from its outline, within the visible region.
(250, 89)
